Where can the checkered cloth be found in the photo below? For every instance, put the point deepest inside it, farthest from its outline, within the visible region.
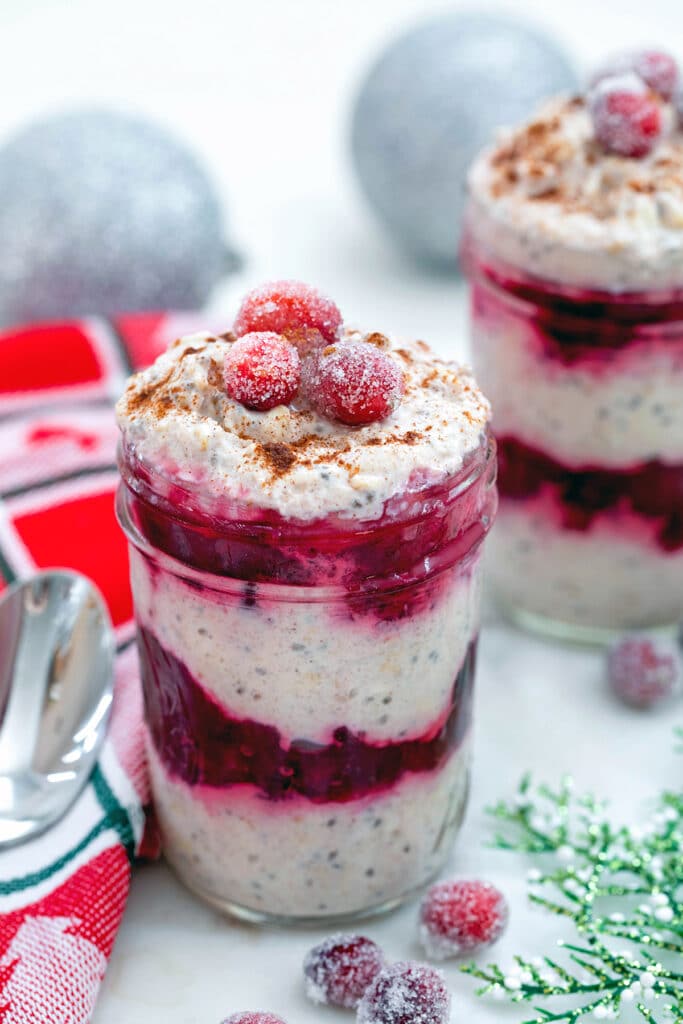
(62, 895)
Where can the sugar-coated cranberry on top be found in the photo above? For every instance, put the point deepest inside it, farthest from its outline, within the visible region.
(286, 322)
(657, 69)
(626, 117)
(354, 382)
(262, 370)
(291, 308)
(339, 970)
(406, 993)
(459, 917)
(643, 671)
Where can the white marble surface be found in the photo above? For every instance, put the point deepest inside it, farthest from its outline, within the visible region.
(539, 707)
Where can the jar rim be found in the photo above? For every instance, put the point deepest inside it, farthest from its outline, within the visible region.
(459, 547)
(245, 518)
(306, 593)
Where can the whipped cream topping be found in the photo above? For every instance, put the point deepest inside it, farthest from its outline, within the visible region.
(547, 198)
(177, 419)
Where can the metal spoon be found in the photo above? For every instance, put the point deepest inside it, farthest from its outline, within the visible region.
(56, 685)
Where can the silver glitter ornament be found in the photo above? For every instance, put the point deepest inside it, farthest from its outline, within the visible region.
(430, 103)
(103, 213)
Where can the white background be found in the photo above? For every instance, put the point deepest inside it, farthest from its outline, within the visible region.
(263, 91)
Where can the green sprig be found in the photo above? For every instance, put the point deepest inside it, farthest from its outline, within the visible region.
(622, 890)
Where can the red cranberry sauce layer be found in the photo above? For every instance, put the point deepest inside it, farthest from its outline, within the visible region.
(201, 743)
(576, 325)
(650, 490)
(418, 534)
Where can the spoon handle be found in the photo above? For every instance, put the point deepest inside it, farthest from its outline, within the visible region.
(34, 664)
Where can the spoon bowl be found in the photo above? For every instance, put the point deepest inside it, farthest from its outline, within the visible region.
(56, 688)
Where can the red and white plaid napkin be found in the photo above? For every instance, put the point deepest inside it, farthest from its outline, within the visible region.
(62, 895)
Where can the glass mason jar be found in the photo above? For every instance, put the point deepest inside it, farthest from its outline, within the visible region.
(587, 395)
(308, 690)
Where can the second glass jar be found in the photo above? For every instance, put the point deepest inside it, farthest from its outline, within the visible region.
(587, 394)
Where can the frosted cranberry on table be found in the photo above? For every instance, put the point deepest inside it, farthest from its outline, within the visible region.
(406, 993)
(627, 118)
(657, 69)
(262, 370)
(459, 917)
(339, 970)
(289, 308)
(643, 671)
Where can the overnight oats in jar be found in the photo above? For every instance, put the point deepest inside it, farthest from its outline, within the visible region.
(574, 251)
(305, 507)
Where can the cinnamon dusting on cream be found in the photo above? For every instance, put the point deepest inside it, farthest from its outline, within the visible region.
(291, 458)
(549, 199)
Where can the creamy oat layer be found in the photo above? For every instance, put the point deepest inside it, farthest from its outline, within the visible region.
(548, 199)
(179, 421)
(599, 579)
(315, 860)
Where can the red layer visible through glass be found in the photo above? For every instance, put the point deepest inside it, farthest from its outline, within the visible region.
(576, 324)
(200, 742)
(371, 559)
(651, 490)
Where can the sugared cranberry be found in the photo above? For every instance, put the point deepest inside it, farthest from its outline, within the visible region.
(253, 1017)
(460, 917)
(262, 370)
(658, 70)
(406, 993)
(288, 307)
(354, 382)
(341, 968)
(626, 118)
(643, 671)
